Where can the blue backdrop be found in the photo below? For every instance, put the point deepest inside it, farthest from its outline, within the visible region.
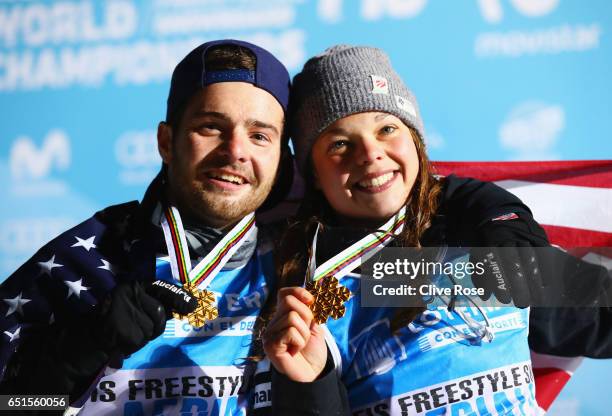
(83, 85)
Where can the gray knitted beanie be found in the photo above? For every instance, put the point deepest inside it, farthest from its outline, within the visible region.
(341, 81)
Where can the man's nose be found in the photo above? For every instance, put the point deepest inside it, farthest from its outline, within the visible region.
(370, 150)
(235, 146)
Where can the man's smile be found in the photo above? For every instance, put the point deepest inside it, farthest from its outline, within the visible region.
(226, 179)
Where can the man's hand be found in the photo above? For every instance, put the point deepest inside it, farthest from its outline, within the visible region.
(135, 313)
(66, 358)
(128, 319)
(293, 342)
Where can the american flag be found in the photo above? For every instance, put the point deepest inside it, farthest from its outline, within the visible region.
(572, 200)
(65, 279)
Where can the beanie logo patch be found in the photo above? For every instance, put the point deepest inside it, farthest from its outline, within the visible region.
(405, 105)
(379, 85)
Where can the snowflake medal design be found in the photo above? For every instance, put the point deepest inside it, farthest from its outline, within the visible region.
(330, 297)
(205, 311)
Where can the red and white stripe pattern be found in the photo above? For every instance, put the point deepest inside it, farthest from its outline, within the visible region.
(572, 200)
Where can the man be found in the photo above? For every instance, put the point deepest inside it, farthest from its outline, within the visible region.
(83, 317)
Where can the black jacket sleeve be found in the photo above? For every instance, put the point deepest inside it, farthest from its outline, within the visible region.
(584, 327)
(468, 204)
(325, 396)
(571, 332)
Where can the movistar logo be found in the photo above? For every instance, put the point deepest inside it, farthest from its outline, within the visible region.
(29, 162)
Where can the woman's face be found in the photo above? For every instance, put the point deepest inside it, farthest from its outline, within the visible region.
(366, 165)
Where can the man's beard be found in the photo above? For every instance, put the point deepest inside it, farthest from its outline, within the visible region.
(214, 208)
(207, 205)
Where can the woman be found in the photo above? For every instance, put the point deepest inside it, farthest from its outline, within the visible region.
(358, 139)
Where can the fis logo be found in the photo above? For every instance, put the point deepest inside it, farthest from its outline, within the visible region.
(29, 162)
(492, 10)
(398, 9)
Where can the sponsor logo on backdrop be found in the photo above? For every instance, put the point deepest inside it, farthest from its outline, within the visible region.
(31, 166)
(552, 40)
(137, 155)
(509, 43)
(21, 237)
(330, 11)
(399, 9)
(531, 130)
(493, 10)
(53, 45)
(568, 37)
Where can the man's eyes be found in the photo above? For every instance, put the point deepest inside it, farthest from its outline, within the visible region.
(208, 128)
(218, 130)
(260, 137)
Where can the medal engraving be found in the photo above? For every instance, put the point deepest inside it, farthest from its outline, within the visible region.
(206, 310)
(330, 297)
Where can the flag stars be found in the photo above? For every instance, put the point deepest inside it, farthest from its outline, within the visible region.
(16, 304)
(75, 288)
(13, 336)
(87, 244)
(47, 266)
(107, 266)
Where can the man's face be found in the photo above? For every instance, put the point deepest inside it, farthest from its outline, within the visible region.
(223, 156)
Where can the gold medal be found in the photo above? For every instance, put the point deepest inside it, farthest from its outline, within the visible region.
(205, 271)
(323, 281)
(205, 311)
(329, 297)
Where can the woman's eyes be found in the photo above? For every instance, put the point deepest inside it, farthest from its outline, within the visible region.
(343, 145)
(388, 129)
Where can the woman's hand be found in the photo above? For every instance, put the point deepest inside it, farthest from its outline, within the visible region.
(293, 342)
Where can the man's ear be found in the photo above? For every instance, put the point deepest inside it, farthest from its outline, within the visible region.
(164, 141)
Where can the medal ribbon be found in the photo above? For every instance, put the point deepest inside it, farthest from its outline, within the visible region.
(353, 256)
(203, 273)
